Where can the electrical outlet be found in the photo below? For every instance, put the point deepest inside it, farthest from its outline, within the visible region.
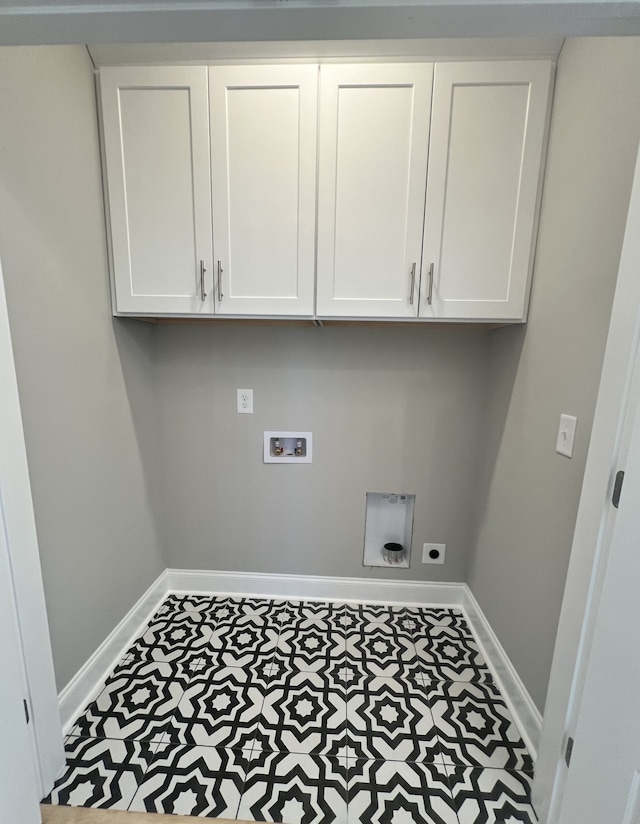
(433, 553)
(245, 401)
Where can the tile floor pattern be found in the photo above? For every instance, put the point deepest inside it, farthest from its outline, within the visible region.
(304, 713)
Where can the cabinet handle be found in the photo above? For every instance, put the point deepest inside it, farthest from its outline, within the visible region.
(203, 294)
(430, 294)
(220, 295)
(413, 283)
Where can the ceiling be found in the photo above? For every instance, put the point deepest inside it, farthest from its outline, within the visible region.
(224, 21)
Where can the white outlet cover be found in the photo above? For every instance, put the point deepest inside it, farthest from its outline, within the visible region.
(244, 401)
(566, 435)
(426, 549)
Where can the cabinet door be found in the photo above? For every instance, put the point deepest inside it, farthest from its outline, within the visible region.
(488, 129)
(263, 171)
(156, 143)
(374, 132)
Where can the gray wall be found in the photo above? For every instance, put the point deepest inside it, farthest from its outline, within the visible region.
(529, 494)
(85, 391)
(391, 410)
(132, 432)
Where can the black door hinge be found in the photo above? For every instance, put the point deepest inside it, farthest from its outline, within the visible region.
(26, 709)
(617, 488)
(568, 750)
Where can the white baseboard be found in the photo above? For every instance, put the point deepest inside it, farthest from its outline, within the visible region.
(325, 588)
(89, 679)
(525, 713)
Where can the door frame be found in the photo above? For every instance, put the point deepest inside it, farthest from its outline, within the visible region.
(18, 787)
(24, 560)
(616, 401)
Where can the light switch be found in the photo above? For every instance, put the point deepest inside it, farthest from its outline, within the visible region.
(566, 435)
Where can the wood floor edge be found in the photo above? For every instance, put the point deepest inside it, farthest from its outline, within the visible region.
(53, 814)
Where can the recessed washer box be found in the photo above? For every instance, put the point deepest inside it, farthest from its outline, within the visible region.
(288, 447)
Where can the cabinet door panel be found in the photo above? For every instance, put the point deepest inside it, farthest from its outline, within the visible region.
(487, 136)
(374, 126)
(156, 144)
(263, 160)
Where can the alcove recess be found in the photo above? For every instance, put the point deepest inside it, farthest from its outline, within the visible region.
(388, 519)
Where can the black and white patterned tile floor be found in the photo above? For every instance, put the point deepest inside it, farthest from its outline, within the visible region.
(303, 713)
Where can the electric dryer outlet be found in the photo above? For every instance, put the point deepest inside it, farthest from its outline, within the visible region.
(433, 553)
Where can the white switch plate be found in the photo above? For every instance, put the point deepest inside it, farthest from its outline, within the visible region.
(566, 435)
(245, 401)
(439, 548)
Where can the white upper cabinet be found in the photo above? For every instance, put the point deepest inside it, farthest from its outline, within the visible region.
(485, 156)
(373, 139)
(397, 190)
(156, 143)
(263, 170)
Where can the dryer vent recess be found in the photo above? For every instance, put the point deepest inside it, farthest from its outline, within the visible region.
(288, 447)
(388, 522)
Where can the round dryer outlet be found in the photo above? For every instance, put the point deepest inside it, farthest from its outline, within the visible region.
(433, 553)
